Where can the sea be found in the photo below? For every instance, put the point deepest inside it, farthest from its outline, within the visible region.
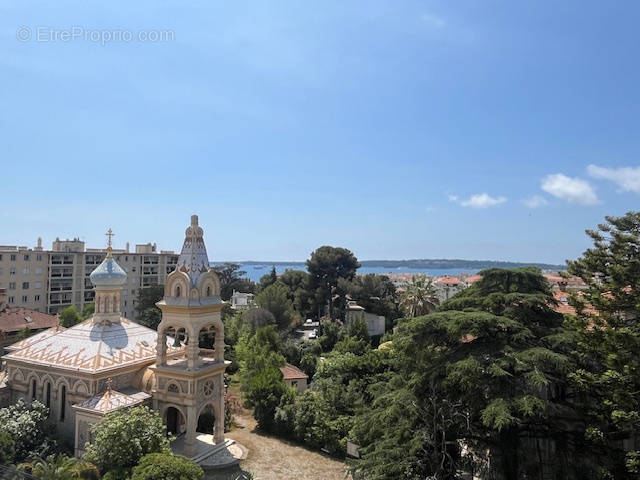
(255, 271)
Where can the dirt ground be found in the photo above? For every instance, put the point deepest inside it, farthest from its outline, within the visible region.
(271, 458)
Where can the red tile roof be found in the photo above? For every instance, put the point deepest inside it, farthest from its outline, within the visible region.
(289, 372)
(449, 280)
(15, 319)
(473, 278)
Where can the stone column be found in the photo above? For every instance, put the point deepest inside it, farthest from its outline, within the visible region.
(161, 349)
(193, 350)
(219, 347)
(190, 442)
(218, 432)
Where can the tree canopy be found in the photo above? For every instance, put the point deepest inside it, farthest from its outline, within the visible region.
(608, 347)
(326, 266)
(274, 299)
(123, 437)
(69, 316)
(148, 314)
(232, 278)
(489, 371)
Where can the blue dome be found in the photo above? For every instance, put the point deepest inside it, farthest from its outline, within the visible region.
(108, 274)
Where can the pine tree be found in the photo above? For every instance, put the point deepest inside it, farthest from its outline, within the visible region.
(606, 323)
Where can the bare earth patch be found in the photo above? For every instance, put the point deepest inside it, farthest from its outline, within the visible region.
(271, 458)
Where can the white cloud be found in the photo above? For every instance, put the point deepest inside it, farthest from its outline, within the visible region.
(627, 178)
(479, 200)
(572, 190)
(535, 201)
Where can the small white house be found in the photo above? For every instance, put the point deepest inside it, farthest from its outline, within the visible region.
(375, 323)
(294, 377)
(240, 300)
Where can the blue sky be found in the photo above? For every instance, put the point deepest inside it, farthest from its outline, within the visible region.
(398, 129)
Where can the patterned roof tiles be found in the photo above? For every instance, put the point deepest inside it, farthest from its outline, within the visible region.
(94, 347)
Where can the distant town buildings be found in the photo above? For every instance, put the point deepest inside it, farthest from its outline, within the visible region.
(50, 280)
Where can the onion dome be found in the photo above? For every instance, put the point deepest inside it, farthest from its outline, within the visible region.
(108, 273)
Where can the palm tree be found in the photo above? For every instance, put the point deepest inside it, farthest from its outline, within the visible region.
(60, 468)
(419, 297)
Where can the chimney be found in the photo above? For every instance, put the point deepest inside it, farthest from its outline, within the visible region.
(126, 247)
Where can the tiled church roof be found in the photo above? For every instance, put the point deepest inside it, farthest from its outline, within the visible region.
(110, 400)
(94, 347)
(35, 338)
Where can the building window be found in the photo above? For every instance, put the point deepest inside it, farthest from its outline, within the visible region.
(37, 285)
(33, 389)
(10, 300)
(12, 271)
(38, 270)
(39, 257)
(133, 269)
(24, 299)
(26, 258)
(12, 285)
(0, 256)
(13, 257)
(25, 271)
(63, 402)
(36, 298)
(25, 285)
(47, 395)
(1, 271)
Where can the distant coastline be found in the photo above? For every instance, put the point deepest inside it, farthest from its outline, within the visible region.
(432, 264)
(254, 269)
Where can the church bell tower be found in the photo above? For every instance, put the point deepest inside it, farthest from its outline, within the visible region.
(191, 384)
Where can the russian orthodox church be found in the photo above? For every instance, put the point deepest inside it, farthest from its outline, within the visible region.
(107, 362)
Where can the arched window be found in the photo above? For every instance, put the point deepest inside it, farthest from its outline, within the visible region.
(63, 402)
(208, 291)
(178, 291)
(47, 395)
(33, 389)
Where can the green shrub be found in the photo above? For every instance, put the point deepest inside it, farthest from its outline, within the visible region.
(123, 437)
(165, 466)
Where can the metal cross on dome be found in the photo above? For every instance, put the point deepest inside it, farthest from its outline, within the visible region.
(109, 234)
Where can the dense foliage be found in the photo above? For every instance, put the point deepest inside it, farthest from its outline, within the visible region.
(25, 424)
(608, 347)
(274, 298)
(232, 278)
(166, 466)
(60, 467)
(69, 317)
(492, 366)
(147, 313)
(326, 267)
(123, 437)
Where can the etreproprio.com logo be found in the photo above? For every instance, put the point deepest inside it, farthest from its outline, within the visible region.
(47, 34)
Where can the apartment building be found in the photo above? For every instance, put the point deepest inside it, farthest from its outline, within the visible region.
(50, 280)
